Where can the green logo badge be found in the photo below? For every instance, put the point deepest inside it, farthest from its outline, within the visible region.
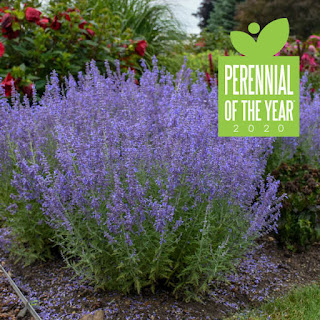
(259, 92)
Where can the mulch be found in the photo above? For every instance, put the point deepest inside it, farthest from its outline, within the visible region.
(270, 271)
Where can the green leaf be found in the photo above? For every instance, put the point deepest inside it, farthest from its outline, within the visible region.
(90, 42)
(273, 37)
(15, 26)
(22, 67)
(20, 15)
(32, 77)
(243, 42)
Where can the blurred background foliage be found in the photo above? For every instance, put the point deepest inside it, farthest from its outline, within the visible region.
(148, 19)
(128, 30)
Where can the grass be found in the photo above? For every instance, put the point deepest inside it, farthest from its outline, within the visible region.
(148, 19)
(302, 303)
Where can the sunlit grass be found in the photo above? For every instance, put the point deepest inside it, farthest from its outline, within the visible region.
(302, 303)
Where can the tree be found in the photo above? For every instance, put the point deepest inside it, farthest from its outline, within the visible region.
(206, 7)
(303, 16)
(222, 15)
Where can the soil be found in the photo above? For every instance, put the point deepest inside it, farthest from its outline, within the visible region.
(56, 293)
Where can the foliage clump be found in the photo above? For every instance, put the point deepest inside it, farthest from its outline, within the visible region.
(303, 16)
(299, 224)
(64, 40)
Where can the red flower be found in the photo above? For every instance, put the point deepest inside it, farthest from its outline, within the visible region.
(141, 47)
(2, 50)
(6, 25)
(28, 90)
(43, 23)
(9, 33)
(211, 64)
(6, 21)
(66, 15)
(7, 84)
(55, 25)
(200, 44)
(72, 10)
(301, 67)
(90, 32)
(3, 9)
(32, 14)
(208, 78)
(226, 53)
(82, 24)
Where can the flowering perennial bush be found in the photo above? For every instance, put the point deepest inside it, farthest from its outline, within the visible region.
(64, 40)
(309, 53)
(132, 182)
(308, 144)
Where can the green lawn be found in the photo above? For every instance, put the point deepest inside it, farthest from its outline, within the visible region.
(302, 303)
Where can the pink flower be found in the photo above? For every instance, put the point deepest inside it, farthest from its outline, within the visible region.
(312, 48)
(305, 57)
(32, 14)
(313, 64)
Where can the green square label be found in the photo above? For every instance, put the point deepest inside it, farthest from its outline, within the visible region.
(258, 96)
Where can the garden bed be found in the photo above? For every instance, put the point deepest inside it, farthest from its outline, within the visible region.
(57, 293)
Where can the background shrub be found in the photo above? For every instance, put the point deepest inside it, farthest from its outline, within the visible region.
(195, 61)
(299, 224)
(309, 54)
(303, 16)
(65, 41)
(293, 162)
(147, 19)
(223, 15)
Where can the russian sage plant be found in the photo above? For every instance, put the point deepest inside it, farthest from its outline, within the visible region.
(307, 144)
(133, 182)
